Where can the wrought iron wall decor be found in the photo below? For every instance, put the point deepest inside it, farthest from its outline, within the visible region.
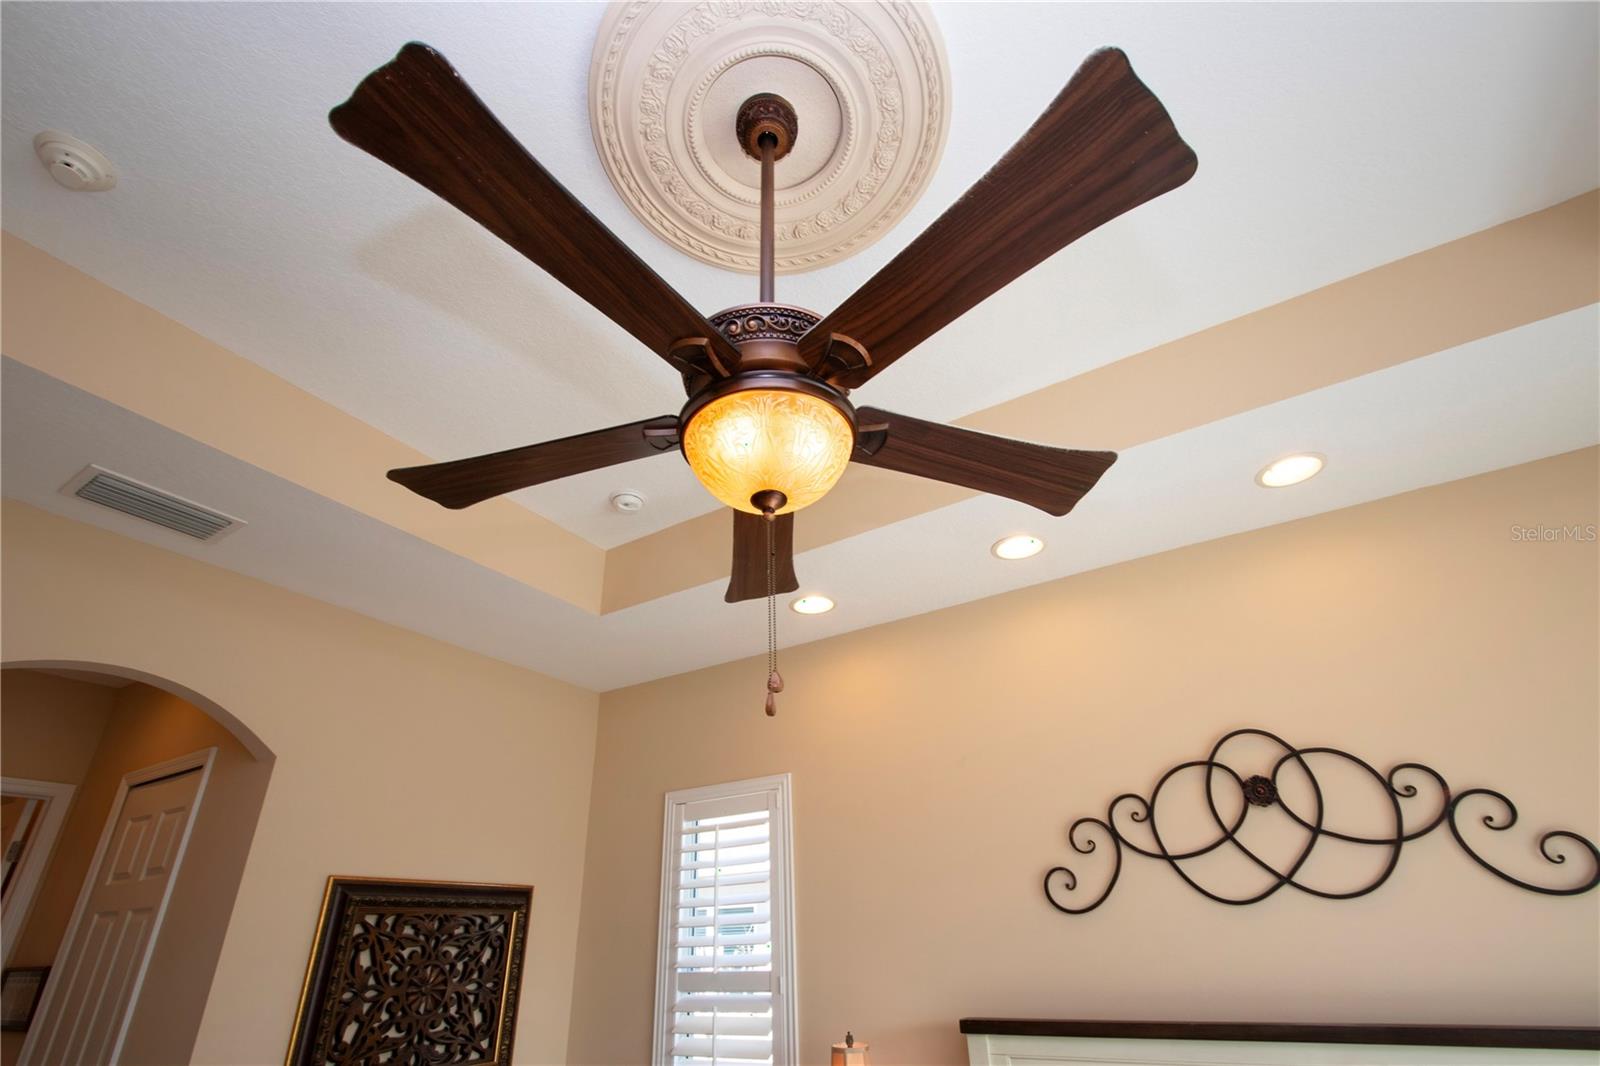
(1265, 791)
(412, 973)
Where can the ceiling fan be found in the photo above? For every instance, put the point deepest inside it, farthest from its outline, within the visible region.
(768, 427)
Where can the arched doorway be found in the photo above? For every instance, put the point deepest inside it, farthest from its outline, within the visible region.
(135, 891)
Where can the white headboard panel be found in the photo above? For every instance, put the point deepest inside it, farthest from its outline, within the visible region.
(1003, 1049)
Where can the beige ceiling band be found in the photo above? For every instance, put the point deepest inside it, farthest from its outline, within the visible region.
(1492, 281)
(67, 324)
(81, 331)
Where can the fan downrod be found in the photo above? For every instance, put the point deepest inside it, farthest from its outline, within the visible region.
(766, 333)
(767, 126)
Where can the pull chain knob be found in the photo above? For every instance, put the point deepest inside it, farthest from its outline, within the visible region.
(769, 501)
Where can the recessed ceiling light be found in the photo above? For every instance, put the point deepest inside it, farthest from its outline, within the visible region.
(1290, 470)
(1020, 546)
(812, 604)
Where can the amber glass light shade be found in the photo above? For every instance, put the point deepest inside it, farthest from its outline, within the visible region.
(758, 440)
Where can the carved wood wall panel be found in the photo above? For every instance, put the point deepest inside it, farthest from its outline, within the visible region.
(412, 973)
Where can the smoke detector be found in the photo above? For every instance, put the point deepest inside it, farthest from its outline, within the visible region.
(74, 164)
(627, 502)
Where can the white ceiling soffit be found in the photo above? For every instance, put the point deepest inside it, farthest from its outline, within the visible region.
(1507, 399)
(1332, 138)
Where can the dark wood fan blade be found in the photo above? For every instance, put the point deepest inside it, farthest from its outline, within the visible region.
(1051, 479)
(1105, 146)
(749, 578)
(464, 482)
(417, 114)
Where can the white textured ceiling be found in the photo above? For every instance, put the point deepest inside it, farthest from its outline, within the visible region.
(1503, 400)
(1332, 138)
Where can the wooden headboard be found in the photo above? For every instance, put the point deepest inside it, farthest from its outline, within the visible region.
(1045, 1042)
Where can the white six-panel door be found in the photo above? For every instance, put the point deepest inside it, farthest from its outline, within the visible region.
(95, 980)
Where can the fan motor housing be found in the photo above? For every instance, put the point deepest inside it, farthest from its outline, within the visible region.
(766, 334)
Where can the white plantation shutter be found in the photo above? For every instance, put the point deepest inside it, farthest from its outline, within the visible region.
(724, 992)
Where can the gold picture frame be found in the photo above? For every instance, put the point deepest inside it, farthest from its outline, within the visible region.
(412, 972)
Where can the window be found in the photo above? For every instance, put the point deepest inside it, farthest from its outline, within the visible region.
(725, 976)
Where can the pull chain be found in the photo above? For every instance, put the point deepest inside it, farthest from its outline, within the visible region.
(774, 679)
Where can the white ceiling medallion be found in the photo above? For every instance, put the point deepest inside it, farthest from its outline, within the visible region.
(869, 81)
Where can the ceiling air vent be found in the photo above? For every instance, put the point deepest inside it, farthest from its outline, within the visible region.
(109, 489)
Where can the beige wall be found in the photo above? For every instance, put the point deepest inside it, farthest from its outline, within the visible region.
(937, 762)
(50, 726)
(147, 726)
(396, 755)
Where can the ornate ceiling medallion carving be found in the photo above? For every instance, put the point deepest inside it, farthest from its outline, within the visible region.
(869, 81)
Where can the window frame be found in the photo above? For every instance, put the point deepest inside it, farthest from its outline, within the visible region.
(785, 1015)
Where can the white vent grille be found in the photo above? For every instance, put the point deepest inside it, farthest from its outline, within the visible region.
(120, 493)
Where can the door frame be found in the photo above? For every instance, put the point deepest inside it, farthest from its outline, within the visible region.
(202, 760)
(33, 862)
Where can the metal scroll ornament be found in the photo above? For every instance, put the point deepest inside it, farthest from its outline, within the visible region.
(1231, 797)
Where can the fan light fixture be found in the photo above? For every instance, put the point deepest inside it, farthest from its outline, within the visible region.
(1021, 546)
(744, 444)
(812, 603)
(768, 425)
(1290, 470)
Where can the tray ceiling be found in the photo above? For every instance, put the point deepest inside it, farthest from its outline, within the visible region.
(1507, 399)
(1333, 139)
